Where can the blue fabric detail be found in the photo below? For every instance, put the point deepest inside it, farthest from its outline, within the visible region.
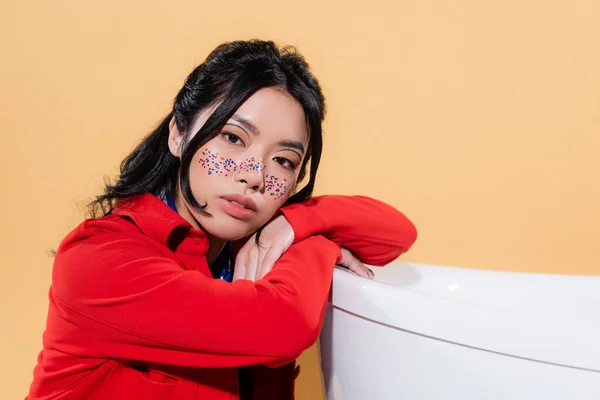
(227, 270)
(170, 201)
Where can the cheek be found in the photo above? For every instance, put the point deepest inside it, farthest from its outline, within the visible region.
(216, 165)
(277, 188)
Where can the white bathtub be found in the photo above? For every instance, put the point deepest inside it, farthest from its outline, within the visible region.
(430, 332)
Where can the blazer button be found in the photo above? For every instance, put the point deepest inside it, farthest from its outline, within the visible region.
(196, 241)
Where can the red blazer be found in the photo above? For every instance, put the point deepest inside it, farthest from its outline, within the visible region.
(135, 314)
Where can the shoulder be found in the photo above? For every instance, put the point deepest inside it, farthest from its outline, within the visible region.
(101, 252)
(100, 230)
(100, 244)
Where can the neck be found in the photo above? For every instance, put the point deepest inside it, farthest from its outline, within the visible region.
(215, 245)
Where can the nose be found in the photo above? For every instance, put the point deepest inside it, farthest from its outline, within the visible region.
(251, 174)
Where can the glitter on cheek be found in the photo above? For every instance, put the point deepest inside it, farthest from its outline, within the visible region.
(215, 164)
(251, 165)
(276, 187)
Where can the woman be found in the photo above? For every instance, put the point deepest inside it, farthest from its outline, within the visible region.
(134, 312)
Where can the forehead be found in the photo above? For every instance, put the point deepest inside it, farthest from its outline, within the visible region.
(276, 115)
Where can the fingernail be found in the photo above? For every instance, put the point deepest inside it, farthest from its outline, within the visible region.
(372, 273)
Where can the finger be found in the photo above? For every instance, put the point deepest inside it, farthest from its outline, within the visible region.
(270, 258)
(358, 268)
(252, 265)
(241, 262)
(353, 264)
(261, 250)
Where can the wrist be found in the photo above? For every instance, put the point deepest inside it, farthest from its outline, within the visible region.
(305, 219)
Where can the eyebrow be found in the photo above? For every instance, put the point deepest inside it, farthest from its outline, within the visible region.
(246, 124)
(293, 144)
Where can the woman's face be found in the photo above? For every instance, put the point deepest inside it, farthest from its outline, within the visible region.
(248, 171)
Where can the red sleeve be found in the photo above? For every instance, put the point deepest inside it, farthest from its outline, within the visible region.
(373, 231)
(132, 302)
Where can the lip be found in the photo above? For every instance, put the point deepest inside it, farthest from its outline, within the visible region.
(246, 209)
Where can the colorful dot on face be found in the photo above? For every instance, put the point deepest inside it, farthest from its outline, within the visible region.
(276, 187)
(220, 165)
(251, 165)
(214, 164)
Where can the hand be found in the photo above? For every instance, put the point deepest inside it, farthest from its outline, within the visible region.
(254, 261)
(353, 264)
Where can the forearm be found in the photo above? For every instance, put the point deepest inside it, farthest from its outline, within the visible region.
(373, 231)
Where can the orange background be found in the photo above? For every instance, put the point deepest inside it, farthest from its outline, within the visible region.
(479, 120)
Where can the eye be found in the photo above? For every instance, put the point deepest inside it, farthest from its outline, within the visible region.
(285, 162)
(232, 138)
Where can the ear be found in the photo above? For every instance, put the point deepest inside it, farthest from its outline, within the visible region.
(175, 138)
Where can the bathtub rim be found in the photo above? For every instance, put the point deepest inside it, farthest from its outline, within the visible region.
(538, 337)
